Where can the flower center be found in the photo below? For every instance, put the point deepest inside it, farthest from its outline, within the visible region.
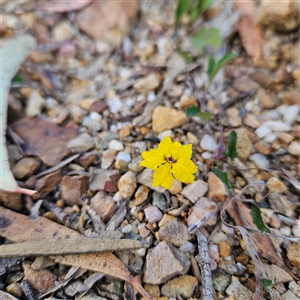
(170, 159)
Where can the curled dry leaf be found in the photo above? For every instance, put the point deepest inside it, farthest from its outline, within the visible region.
(249, 31)
(12, 54)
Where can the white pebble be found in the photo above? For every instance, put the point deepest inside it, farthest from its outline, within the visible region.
(115, 104)
(123, 156)
(228, 230)
(282, 108)
(294, 148)
(166, 133)
(214, 252)
(262, 131)
(286, 231)
(260, 160)
(296, 229)
(277, 125)
(271, 114)
(271, 137)
(206, 155)
(151, 97)
(291, 113)
(208, 143)
(116, 145)
(126, 228)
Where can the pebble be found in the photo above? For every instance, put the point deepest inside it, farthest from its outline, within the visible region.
(279, 203)
(285, 137)
(201, 209)
(276, 274)
(289, 295)
(152, 289)
(115, 145)
(82, 143)
(228, 230)
(127, 184)
(260, 160)
(143, 231)
(174, 232)
(295, 288)
(141, 195)
(26, 167)
(221, 281)
(234, 117)
(243, 144)
(266, 101)
(214, 252)
(123, 156)
(271, 137)
(208, 143)
(108, 157)
(218, 237)
(252, 120)
(244, 84)
(262, 131)
(103, 205)
(275, 185)
(224, 249)
(238, 291)
(294, 148)
(216, 188)
(188, 247)
(276, 125)
(146, 178)
(159, 200)
(35, 104)
(63, 31)
(15, 289)
(175, 187)
(286, 231)
(195, 190)
(166, 219)
(262, 76)
(291, 114)
(275, 221)
(296, 229)
(242, 258)
(148, 83)
(206, 155)
(183, 285)
(153, 214)
(286, 220)
(105, 180)
(164, 262)
(164, 118)
(293, 251)
(166, 133)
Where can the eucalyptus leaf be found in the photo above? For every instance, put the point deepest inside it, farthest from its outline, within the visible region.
(257, 218)
(231, 151)
(223, 177)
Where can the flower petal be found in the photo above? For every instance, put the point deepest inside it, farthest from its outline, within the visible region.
(183, 170)
(164, 143)
(158, 179)
(176, 150)
(187, 151)
(152, 159)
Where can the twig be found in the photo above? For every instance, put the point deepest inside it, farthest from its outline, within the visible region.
(57, 211)
(203, 260)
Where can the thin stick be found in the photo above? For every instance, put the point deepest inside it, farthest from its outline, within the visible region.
(66, 246)
(203, 260)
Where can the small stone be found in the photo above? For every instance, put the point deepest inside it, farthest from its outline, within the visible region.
(183, 285)
(35, 104)
(238, 291)
(148, 83)
(98, 106)
(294, 148)
(166, 133)
(164, 118)
(290, 97)
(175, 187)
(252, 121)
(263, 147)
(262, 131)
(214, 252)
(188, 247)
(152, 289)
(191, 138)
(195, 190)
(127, 184)
(73, 188)
(216, 188)
(276, 274)
(295, 288)
(270, 138)
(242, 258)
(88, 158)
(266, 101)
(141, 195)
(244, 84)
(275, 185)
(159, 200)
(291, 114)
(260, 160)
(233, 116)
(289, 295)
(285, 231)
(243, 144)
(107, 159)
(166, 219)
(63, 31)
(174, 232)
(164, 262)
(262, 76)
(285, 137)
(275, 221)
(221, 281)
(293, 251)
(82, 143)
(123, 156)
(116, 145)
(103, 205)
(296, 229)
(105, 180)
(26, 167)
(125, 131)
(201, 209)
(153, 214)
(279, 203)
(276, 125)
(146, 178)
(15, 289)
(224, 249)
(208, 143)
(143, 231)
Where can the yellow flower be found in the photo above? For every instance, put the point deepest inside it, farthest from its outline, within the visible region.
(169, 161)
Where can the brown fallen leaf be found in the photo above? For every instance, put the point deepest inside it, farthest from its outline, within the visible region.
(249, 31)
(63, 6)
(20, 228)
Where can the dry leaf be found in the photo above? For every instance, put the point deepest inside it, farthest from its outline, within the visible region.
(12, 54)
(19, 228)
(249, 31)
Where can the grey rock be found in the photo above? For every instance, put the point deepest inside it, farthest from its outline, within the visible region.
(279, 203)
(238, 291)
(153, 214)
(221, 281)
(82, 143)
(105, 180)
(195, 190)
(159, 200)
(164, 262)
(127, 184)
(146, 178)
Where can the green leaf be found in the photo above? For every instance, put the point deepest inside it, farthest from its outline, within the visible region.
(223, 177)
(267, 284)
(257, 218)
(206, 37)
(186, 56)
(231, 151)
(192, 111)
(205, 116)
(215, 66)
(17, 79)
(182, 8)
